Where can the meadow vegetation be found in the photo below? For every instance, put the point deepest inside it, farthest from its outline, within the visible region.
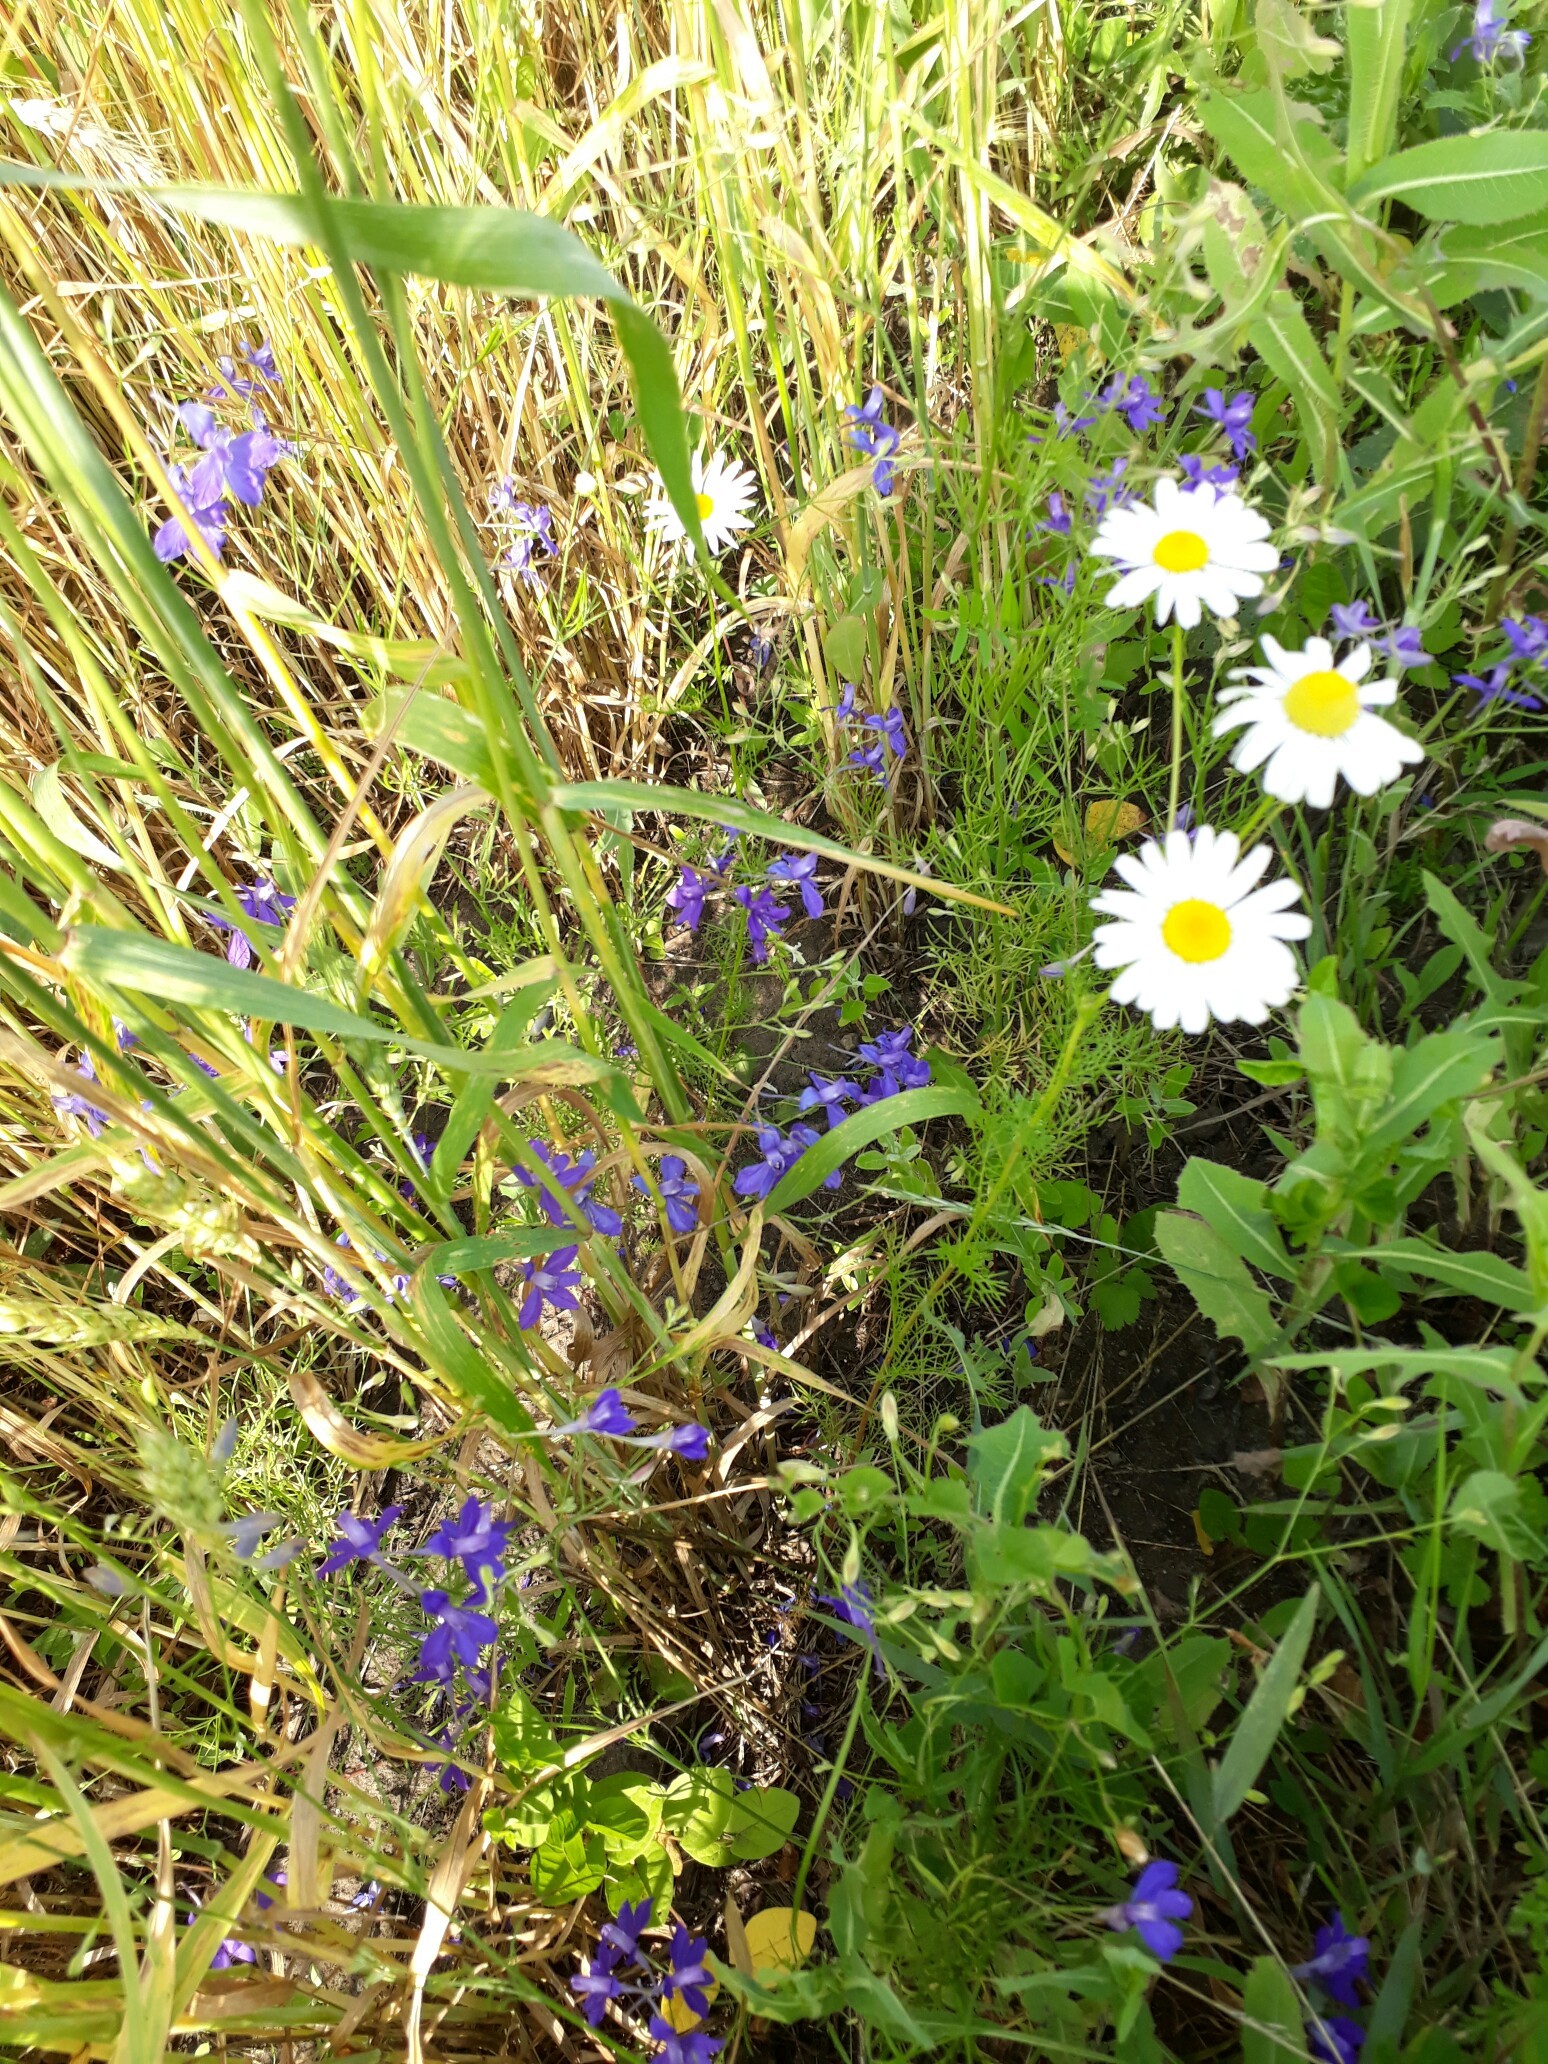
(773, 1030)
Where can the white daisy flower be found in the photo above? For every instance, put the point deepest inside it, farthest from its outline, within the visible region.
(724, 490)
(1309, 717)
(1195, 937)
(1196, 548)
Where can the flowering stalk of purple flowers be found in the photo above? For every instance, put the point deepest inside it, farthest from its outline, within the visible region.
(1527, 641)
(529, 527)
(608, 1416)
(569, 1190)
(894, 1066)
(1339, 1963)
(1403, 644)
(451, 1654)
(678, 1190)
(262, 904)
(874, 438)
(235, 467)
(600, 1982)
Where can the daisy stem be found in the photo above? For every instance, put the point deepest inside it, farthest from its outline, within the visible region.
(1174, 793)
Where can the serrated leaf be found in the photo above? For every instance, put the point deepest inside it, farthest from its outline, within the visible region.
(1237, 1207)
(1473, 1274)
(1216, 1278)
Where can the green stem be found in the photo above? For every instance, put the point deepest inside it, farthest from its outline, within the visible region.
(1175, 791)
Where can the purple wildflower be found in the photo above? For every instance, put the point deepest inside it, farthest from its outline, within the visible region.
(275, 1882)
(1405, 646)
(596, 1985)
(1066, 425)
(689, 1440)
(690, 1977)
(766, 1338)
(1233, 418)
(360, 1540)
(607, 1414)
(534, 527)
(828, 1096)
(874, 439)
(1153, 1909)
(800, 872)
(230, 1952)
(775, 1155)
(1197, 474)
(1138, 404)
(1494, 687)
(871, 757)
(339, 1286)
(760, 651)
(1528, 639)
(1106, 490)
(477, 1540)
(552, 1280)
(259, 358)
(1354, 619)
(679, 1192)
(458, 1632)
(572, 1178)
(1490, 38)
(71, 1104)
(727, 860)
(209, 519)
(261, 903)
(687, 899)
(1335, 2039)
(764, 918)
(891, 728)
(1060, 519)
(1340, 1960)
(853, 1606)
(897, 1066)
(844, 708)
(234, 464)
(623, 1933)
(696, 2047)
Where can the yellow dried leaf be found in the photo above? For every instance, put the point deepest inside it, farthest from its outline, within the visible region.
(780, 1939)
(1111, 821)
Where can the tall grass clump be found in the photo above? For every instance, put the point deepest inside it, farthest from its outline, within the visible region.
(772, 1031)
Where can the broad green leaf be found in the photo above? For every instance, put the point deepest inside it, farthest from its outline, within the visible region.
(1283, 339)
(170, 973)
(1216, 1277)
(763, 1821)
(1007, 1464)
(1487, 1368)
(568, 1868)
(872, 1121)
(498, 250)
(1474, 259)
(1237, 1207)
(605, 796)
(1254, 1736)
(1489, 1505)
(523, 1740)
(484, 1250)
(1496, 177)
(440, 729)
(1473, 1274)
(625, 1811)
(1375, 38)
(1441, 1069)
(699, 1809)
(1271, 2012)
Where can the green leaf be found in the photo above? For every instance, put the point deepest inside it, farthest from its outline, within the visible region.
(873, 1121)
(170, 973)
(523, 1740)
(1489, 1506)
(1475, 259)
(604, 796)
(1254, 1736)
(499, 250)
(625, 1811)
(1486, 1368)
(763, 1821)
(1216, 1278)
(844, 648)
(440, 729)
(1007, 1464)
(1237, 1207)
(699, 1808)
(1375, 38)
(567, 1868)
(1496, 177)
(1283, 339)
(1473, 1274)
(1271, 2013)
(1441, 1069)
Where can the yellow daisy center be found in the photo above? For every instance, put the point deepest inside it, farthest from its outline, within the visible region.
(1181, 551)
(1196, 930)
(706, 506)
(1324, 703)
